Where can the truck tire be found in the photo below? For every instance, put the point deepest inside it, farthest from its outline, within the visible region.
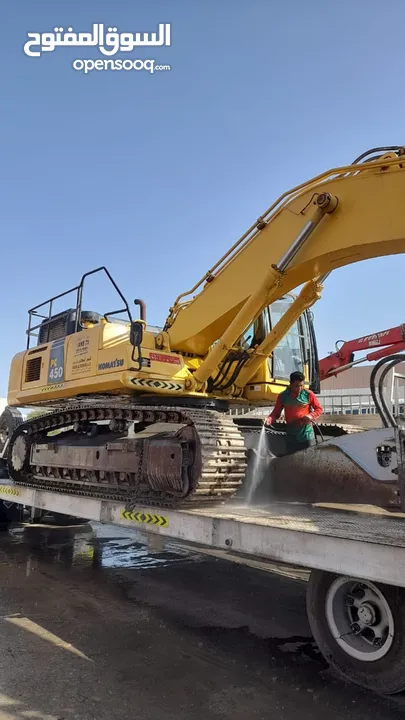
(359, 627)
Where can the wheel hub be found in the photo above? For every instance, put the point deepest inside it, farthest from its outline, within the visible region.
(367, 613)
(359, 618)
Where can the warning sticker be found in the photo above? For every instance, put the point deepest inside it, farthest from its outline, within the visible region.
(51, 388)
(157, 384)
(145, 518)
(81, 361)
(159, 357)
(9, 490)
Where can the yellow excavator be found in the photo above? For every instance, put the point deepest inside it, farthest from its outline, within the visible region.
(141, 414)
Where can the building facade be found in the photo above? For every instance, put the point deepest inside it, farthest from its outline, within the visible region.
(349, 392)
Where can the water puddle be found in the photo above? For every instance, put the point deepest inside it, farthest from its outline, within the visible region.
(93, 546)
(121, 554)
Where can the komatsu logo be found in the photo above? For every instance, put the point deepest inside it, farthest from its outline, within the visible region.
(111, 364)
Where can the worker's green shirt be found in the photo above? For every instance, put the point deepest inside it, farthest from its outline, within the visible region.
(295, 408)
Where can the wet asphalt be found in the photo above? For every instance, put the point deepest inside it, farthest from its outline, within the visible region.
(96, 625)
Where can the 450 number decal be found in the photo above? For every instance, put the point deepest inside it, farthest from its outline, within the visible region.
(56, 370)
(56, 373)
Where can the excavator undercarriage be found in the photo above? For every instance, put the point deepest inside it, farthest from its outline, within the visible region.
(140, 453)
(132, 452)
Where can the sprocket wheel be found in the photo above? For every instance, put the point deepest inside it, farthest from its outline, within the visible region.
(20, 453)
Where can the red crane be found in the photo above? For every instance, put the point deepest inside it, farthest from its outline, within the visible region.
(388, 342)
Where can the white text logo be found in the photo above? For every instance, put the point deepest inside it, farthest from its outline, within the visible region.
(108, 43)
(87, 66)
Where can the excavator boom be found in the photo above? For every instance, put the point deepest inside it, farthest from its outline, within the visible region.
(288, 247)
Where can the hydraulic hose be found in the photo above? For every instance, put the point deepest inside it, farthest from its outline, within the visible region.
(381, 382)
(319, 430)
(379, 401)
(388, 148)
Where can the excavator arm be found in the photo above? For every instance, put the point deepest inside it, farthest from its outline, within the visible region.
(346, 215)
(388, 341)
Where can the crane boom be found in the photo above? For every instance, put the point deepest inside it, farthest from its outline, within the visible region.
(388, 341)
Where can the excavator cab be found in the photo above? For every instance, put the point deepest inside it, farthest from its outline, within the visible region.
(297, 350)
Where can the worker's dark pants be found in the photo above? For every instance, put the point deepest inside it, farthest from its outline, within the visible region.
(293, 446)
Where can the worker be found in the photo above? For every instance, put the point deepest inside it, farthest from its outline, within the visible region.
(301, 408)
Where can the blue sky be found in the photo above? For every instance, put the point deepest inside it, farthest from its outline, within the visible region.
(156, 176)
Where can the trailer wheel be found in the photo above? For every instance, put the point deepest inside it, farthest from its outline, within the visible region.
(359, 626)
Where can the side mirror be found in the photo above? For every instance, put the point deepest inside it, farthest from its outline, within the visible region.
(136, 333)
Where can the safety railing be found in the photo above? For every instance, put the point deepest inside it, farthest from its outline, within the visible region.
(334, 405)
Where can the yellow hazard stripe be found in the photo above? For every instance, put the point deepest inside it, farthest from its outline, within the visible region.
(145, 518)
(8, 490)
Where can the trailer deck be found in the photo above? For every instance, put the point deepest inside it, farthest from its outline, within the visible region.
(359, 541)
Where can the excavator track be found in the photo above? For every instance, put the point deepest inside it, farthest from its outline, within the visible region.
(213, 457)
(327, 430)
(338, 429)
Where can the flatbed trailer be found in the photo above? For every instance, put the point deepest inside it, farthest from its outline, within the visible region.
(356, 555)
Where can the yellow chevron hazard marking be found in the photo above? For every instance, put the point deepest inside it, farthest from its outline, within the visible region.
(8, 490)
(145, 518)
(169, 386)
